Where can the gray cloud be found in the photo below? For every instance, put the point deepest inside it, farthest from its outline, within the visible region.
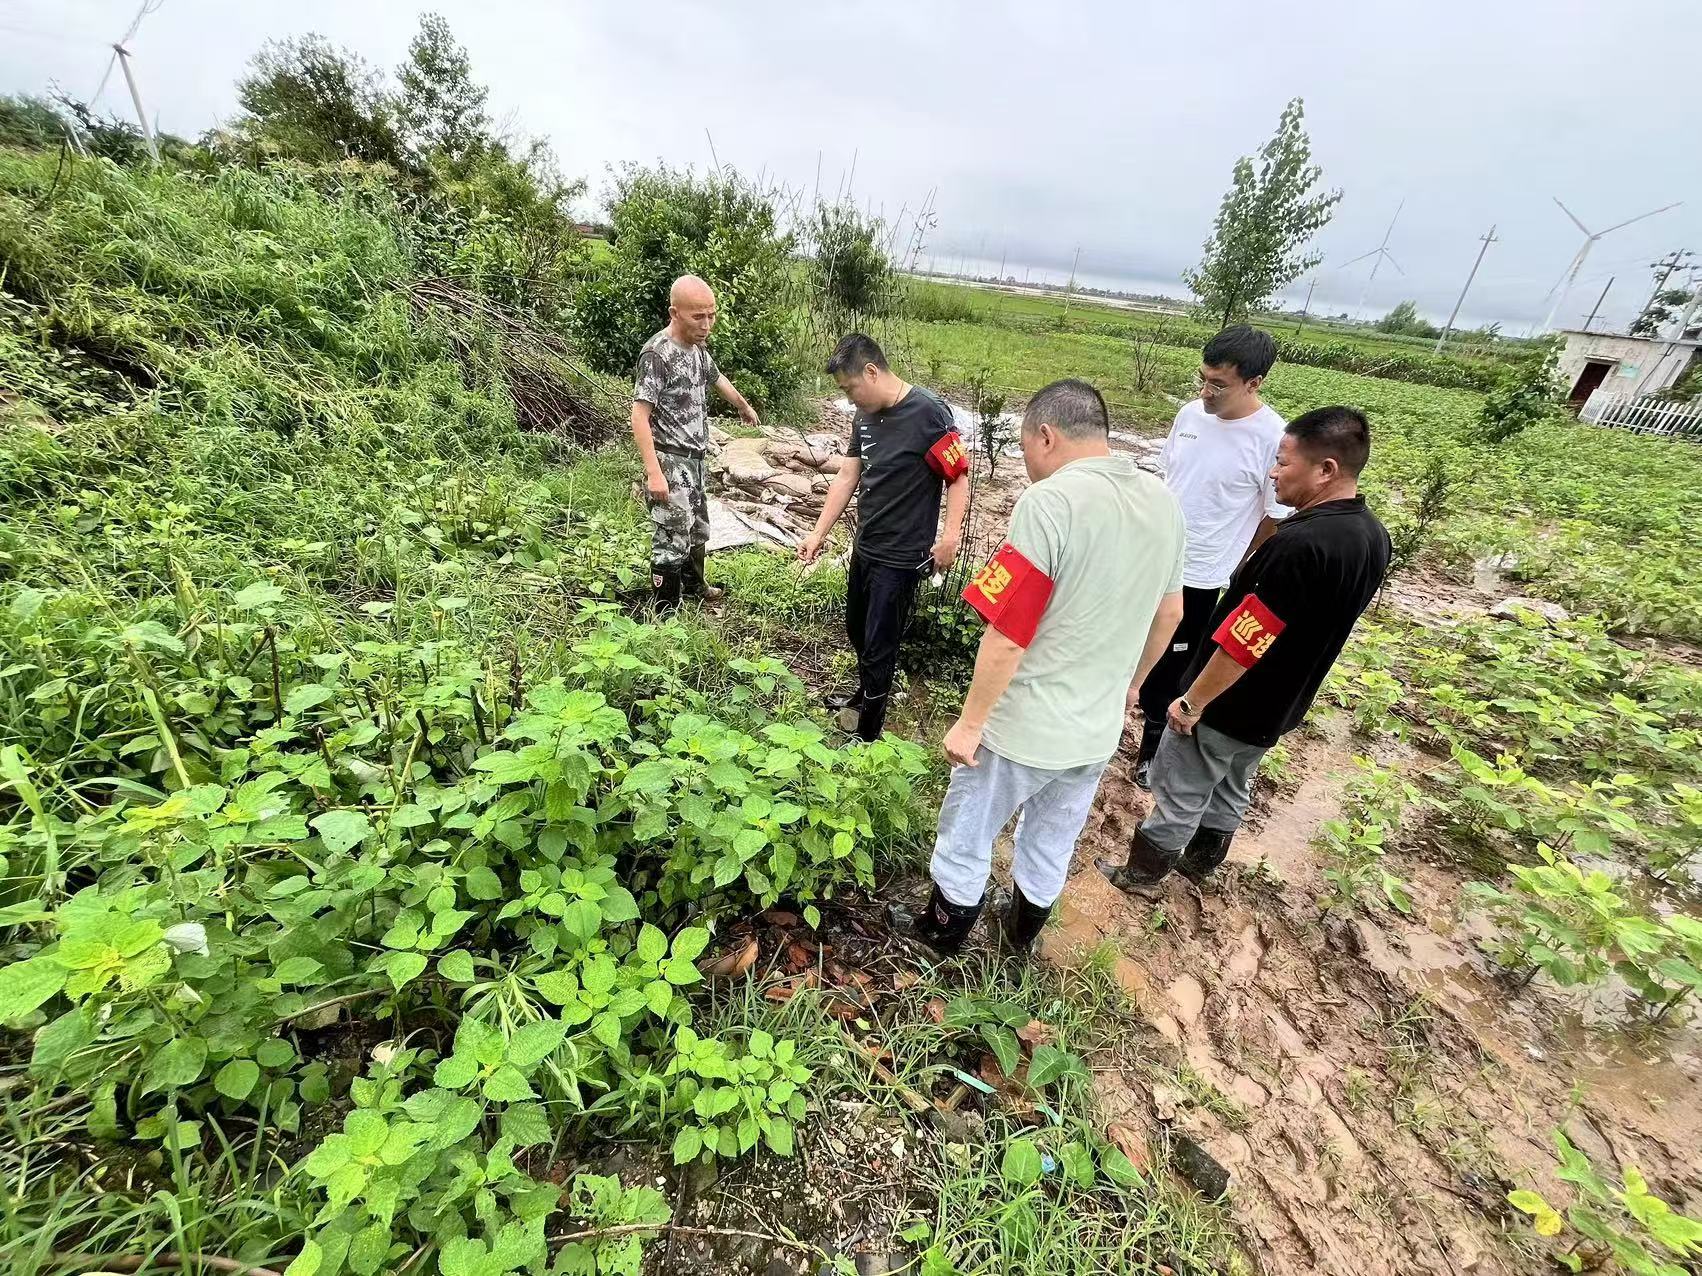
(1042, 128)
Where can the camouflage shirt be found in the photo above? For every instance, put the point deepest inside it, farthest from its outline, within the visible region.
(674, 380)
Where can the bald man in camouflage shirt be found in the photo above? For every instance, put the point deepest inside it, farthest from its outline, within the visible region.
(671, 427)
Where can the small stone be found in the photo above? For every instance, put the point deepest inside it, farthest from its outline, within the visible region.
(1198, 1166)
(959, 1127)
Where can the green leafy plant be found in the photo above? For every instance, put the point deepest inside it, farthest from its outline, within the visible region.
(1354, 845)
(1625, 1223)
(729, 1099)
(1571, 924)
(602, 1204)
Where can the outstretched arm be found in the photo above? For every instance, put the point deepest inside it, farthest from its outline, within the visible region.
(728, 391)
(838, 497)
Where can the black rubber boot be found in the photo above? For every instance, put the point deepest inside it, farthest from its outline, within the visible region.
(1144, 873)
(1206, 850)
(668, 586)
(1022, 923)
(944, 926)
(694, 581)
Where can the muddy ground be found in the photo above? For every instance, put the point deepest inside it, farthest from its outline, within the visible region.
(1372, 1086)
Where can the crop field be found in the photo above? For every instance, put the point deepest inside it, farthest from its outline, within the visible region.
(384, 888)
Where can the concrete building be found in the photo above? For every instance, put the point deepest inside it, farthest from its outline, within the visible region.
(1618, 365)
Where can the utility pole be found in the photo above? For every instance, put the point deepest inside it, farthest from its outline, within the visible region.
(1597, 307)
(1666, 265)
(136, 97)
(1068, 292)
(1487, 241)
(1307, 308)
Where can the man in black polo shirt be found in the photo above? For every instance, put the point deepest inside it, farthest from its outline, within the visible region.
(1279, 627)
(903, 450)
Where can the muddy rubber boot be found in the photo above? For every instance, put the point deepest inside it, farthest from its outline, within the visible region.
(1206, 850)
(667, 595)
(1021, 924)
(695, 582)
(1144, 873)
(942, 927)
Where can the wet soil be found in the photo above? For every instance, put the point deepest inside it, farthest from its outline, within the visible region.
(1372, 1085)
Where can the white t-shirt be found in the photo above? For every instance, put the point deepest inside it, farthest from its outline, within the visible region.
(1220, 473)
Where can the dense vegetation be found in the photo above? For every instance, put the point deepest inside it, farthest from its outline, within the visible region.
(359, 843)
(362, 834)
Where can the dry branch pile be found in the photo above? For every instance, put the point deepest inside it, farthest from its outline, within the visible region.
(550, 391)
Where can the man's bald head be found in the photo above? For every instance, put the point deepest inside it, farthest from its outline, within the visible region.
(691, 310)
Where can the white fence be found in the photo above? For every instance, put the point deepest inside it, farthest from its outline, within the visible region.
(1644, 415)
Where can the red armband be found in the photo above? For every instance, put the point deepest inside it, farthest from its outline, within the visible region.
(947, 458)
(1248, 632)
(1011, 594)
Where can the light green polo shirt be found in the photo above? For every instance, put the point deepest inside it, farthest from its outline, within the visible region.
(1110, 537)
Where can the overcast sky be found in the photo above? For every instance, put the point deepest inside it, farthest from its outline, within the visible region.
(1044, 127)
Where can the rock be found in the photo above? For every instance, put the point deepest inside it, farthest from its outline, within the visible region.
(719, 437)
(959, 1127)
(790, 484)
(1488, 571)
(1509, 609)
(882, 1264)
(1198, 1166)
(746, 462)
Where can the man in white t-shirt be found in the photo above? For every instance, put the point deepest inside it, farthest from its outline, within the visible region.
(1217, 463)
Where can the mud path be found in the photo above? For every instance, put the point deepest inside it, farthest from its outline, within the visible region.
(1372, 1086)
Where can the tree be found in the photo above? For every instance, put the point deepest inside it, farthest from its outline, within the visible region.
(1527, 394)
(1270, 211)
(311, 101)
(851, 275)
(1664, 304)
(441, 110)
(1404, 320)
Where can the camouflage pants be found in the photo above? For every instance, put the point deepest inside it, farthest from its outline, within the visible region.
(679, 524)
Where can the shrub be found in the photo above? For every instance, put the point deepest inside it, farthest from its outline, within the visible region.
(669, 223)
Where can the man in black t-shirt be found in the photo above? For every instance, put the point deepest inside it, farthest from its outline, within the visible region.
(903, 450)
(1279, 627)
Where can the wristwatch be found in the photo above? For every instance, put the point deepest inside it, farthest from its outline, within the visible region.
(1186, 707)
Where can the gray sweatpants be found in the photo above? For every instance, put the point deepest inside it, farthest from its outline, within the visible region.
(978, 805)
(1200, 780)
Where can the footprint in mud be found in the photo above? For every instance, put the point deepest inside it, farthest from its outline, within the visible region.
(1188, 996)
(1249, 958)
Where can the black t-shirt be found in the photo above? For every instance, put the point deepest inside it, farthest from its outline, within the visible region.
(1286, 614)
(898, 493)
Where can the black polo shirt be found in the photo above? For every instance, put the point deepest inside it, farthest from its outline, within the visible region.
(1287, 613)
(898, 492)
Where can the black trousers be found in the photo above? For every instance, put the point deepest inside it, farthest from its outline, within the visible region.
(878, 600)
(1164, 683)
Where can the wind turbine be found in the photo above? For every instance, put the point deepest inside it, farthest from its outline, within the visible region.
(1564, 285)
(1379, 252)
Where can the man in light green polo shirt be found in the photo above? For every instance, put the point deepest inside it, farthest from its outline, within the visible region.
(1080, 602)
